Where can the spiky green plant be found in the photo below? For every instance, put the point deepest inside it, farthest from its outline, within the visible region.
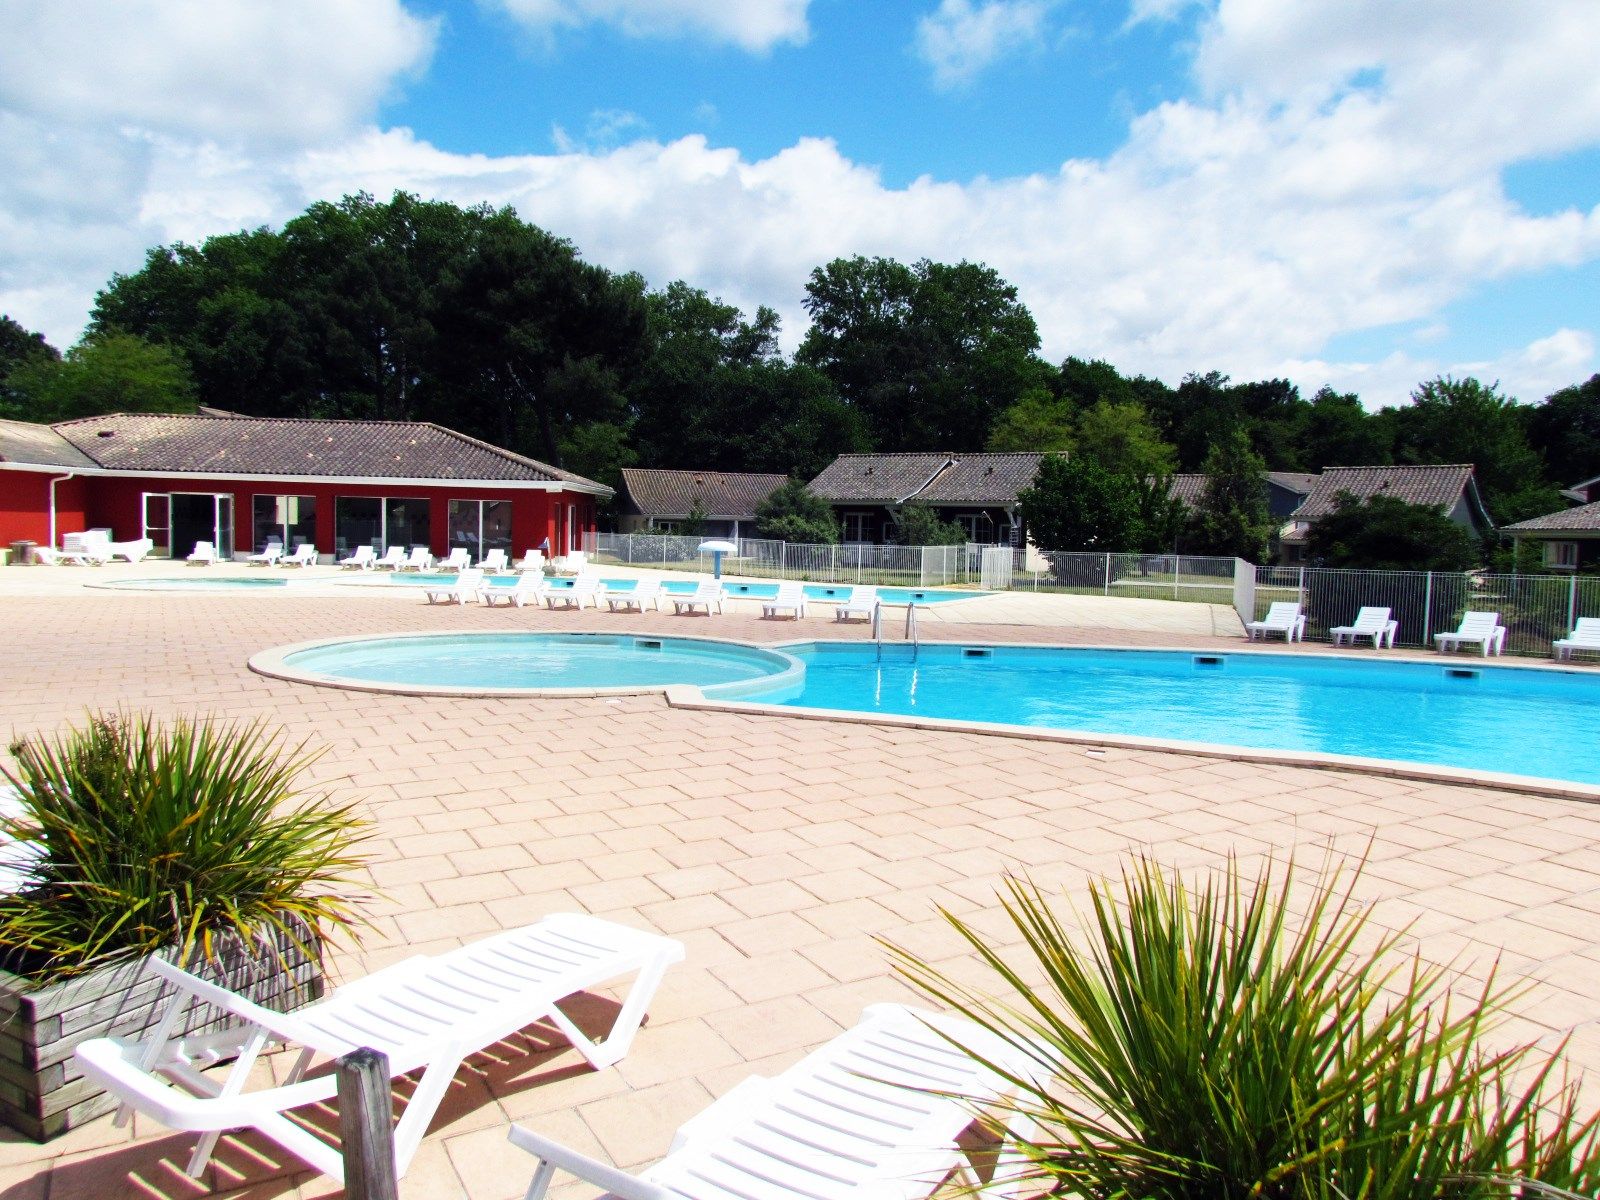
(188, 838)
(1207, 1042)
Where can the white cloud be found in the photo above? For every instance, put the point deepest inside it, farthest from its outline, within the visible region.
(753, 25)
(960, 39)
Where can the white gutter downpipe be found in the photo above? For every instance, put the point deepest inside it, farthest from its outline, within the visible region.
(53, 482)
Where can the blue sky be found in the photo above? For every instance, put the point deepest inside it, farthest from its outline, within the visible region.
(1349, 192)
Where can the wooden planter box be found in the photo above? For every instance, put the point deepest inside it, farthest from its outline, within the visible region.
(41, 1092)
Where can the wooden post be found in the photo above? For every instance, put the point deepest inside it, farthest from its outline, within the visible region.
(366, 1126)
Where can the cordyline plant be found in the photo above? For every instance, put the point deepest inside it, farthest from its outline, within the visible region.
(187, 839)
(1206, 1043)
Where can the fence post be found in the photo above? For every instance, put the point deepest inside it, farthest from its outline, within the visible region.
(1106, 590)
(1427, 611)
(366, 1128)
(1177, 570)
(1572, 603)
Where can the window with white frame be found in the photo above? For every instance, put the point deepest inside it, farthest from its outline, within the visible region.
(287, 520)
(856, 526)
(480, 526)
(1561, 555)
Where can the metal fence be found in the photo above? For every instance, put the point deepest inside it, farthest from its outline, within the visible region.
(1535, 609)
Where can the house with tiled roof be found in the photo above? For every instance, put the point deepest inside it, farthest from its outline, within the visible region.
(1451, 488)
(239, 482)
(1568, 540)
(662, 500)
(976, 491)
(1286, 491)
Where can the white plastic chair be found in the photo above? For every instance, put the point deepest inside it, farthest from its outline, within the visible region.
(707, 594)
(1283, 616)
(460, 590)
(519, 592)
(1585, 636)
(425, 1013)
(791, 597)
(305, 555)
(392, 559)
(133, 551)
(269, 556)
(204, 555)
(418, 560)
(859, 603)
(585, 589)
(58, 558)
(1370, 622)
(532, 560)
(495, 560)
(364, 559)
(645, 591)
(873, 1114)
(458, 559)
(1482, 628)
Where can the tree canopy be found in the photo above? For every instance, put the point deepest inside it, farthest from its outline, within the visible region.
(1384, 533)
(1231, 518)
(110, 372)
(794, 513)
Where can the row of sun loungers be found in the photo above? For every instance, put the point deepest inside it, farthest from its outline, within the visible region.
(1477, 628)
(589, 591)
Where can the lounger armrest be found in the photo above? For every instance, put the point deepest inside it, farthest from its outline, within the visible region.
(590, 1170)
(280, 1025)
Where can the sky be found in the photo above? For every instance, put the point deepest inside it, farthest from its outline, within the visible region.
(1356, 193)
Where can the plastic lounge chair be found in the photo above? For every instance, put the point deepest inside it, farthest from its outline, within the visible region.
(495, 560)
(1585, 635)
(364, 559)
(1370, 622)
(418, 560)
(204, 555)
(305, 555)
(269, 556)
(133, 551)
(532, 560)
(59, 558)
(93, 544)
(462, 588)
(707, 594)
(584, 588)
(791, 597)
(1283, 617)
(525, 588)
(425, 1013)
(391, 560)
(18, 859)
(646, 591)
(1483, 628)
(859, 603)
(458, 559)
(873, 1114)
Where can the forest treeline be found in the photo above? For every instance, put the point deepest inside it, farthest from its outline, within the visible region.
(471, 317)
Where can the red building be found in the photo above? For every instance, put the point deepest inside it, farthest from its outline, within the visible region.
(240, 481)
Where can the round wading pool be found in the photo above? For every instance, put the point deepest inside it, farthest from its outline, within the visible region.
(496, 664)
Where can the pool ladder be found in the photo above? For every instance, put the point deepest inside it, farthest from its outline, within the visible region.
(911, 634)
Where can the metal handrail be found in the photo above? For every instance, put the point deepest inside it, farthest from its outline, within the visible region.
(877, 626)
(911, 630)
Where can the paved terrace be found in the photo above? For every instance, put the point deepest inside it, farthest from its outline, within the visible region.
(775, 848)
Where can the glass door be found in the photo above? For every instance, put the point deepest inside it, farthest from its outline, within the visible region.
(156, 521)
(224, 525)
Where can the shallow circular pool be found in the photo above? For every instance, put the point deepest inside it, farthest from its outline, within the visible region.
(197, 583)
(512, 663)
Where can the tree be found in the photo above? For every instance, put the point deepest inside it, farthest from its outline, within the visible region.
(1075, 504)
(1338, 432)
(1231, 518)
(1121, 438)
(19, 346)
(794, 513)
(1387, 534)
(694, 524)
(918, 524)
(929, 355)
(1566, 430)
(1038, 421)
(105, 373)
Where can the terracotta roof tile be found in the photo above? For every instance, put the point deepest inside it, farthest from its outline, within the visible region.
(934, 478)
(1583, 519)
(722, 494)
(38, 445)
(1439, 486)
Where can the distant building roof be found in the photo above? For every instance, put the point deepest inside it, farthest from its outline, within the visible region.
(1302, 482)
(721, 494)
(933, 478)
(1437, 486)
(171, 443)
(1189, 488)
(1583, 519)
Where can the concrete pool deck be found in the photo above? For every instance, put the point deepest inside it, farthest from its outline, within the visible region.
(775, 848)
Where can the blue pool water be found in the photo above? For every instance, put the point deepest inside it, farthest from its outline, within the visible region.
(1451, 712)
(545, 660)
(755, 591)
(197, 583)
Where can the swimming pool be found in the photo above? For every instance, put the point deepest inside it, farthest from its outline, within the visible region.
(1450, 712)
(753, 591)
(510, 663)
(196, 583)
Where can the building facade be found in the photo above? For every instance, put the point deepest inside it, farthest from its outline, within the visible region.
(661, 501)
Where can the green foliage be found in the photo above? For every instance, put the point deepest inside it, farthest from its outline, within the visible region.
(18, 346)
(1566, 430)
(1231, 518)
(1075, 504)
(919, 524)
(188, 837)
(1038, 421)
(793, 513)
(105, 373)
(1240, 1039)
(1121, 438)
(694, 524)
(1387, 534)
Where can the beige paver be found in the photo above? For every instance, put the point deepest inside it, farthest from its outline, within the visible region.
(777, 849)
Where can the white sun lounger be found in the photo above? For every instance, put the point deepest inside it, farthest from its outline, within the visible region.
(462, 588)
(363, 559)
(584, 589)
(495, 560)
(862, 1118)
(707, 594)
(459, 559)
(392, 559)
(525, 588)
(57, 558)
(1370, 622)
(532, 560)
(1482, 628)
(425, 1013)
(133, 551)
(1585, 635)
(204, 555)
(791, 597)
(859, 603)
(1283, 617)
(418, 560)
(645, 591)
(305, 555)
(269, 556)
